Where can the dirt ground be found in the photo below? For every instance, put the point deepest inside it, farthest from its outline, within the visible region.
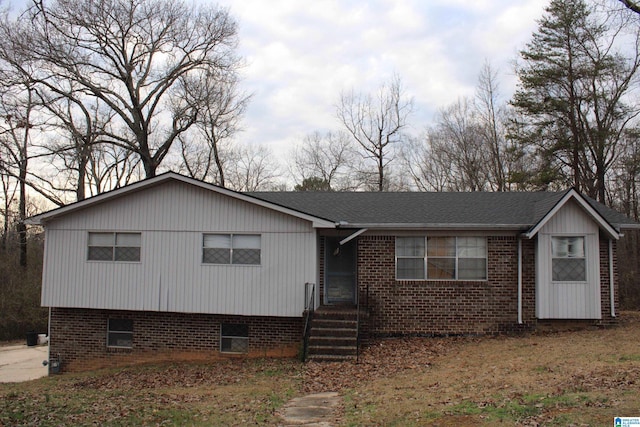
(578, 378)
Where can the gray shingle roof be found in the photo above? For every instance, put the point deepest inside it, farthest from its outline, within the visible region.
(481, 209)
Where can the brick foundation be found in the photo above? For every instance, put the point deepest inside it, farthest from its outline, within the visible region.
(78, 337)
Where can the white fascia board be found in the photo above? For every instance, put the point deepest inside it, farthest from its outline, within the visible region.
(140, 185)
(573, 194)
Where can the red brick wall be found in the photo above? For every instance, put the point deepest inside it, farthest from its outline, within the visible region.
(78, 337)
(446, 307)
(464, 307)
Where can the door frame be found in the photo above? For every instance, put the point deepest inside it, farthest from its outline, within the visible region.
(328, 252)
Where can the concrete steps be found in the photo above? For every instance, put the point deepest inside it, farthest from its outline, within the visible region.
(333, 334)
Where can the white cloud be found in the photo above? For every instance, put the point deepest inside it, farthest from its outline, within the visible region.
(301, 55)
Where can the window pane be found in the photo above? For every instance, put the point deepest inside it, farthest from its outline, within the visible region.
(120, 339)
(127, 239)
(472, 247)
(441, 246)
(246, 256)
(472, 268)
(234, 338)
(101, 239)
(216, 256)
(567, 247)
(569, 270)
(127, 254)
(441, 268)
(234, 345)
(410, 268)
(410, 246)
(99, 253)
(120, 333)
(217, 241)
(121, 325)
(242, 241)
(235, 330)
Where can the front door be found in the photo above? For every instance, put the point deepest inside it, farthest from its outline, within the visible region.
(340, 271)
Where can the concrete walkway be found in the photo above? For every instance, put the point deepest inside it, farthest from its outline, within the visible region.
(22, 363)
(314, 410)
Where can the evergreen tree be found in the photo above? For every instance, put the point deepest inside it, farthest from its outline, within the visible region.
(571, 94)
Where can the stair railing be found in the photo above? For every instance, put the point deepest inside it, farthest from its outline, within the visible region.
(309, 307)
(366, 305)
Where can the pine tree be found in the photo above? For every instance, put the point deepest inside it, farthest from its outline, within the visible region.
(572, 82)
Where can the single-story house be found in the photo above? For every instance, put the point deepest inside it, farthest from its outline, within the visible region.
(175, 268)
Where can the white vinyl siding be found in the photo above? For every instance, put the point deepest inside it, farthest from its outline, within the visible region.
(568, 295)
(172, 219)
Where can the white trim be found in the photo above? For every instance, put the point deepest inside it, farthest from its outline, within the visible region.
(42, 218)
(519, 280)
(352, 236)
(573, 194)
(611, 284)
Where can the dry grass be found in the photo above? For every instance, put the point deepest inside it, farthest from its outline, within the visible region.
(568, 378)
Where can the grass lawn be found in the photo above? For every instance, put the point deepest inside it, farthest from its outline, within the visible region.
(557, 379)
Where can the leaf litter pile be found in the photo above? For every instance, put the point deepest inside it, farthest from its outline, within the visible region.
(582, 377)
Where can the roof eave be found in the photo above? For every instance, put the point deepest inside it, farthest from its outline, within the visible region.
(604, 225)
(41, 219)
(434, 226)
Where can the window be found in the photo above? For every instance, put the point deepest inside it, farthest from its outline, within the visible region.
(568, 259)
(242, 249)
(234, 338)
(410, 253)
(120, 333)
(114, 247)
(441, 258)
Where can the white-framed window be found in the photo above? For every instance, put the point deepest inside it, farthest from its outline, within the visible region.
(441, 258)
(114, 246)
(120, 333)
(234, 338)
(240, 249)
(568, 260)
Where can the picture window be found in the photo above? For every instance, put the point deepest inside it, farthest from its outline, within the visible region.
(441, 258)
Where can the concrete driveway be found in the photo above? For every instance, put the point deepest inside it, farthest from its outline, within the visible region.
(22, 363)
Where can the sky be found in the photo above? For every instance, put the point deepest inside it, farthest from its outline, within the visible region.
(301, 55)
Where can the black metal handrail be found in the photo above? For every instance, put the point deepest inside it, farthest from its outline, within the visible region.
(366, 305)
(309, 307)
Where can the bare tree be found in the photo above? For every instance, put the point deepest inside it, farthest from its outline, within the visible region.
(204, 148)
(251, 169)
(428, 166)
(130, 55)
(325, 157)
(459, 136)
(631, 5)
(17, 104)
(376, 123)
(490, 115)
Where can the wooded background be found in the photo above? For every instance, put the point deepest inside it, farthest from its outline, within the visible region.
(98, 94)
